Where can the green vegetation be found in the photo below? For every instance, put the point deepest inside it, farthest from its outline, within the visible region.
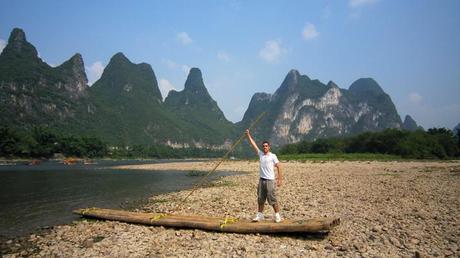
(195, 107)
(123, 108)
(339, 156)
(391, 144)
(436, 143)
(43, 142)
(128, 109)
(365, 96)
(196, 173)
(122, 115)
(98, 239)
(161, 152)
(223, 183)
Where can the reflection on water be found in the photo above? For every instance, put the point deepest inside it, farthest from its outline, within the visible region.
(45, 195)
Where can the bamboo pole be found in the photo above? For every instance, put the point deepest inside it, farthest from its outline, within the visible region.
(238, 141)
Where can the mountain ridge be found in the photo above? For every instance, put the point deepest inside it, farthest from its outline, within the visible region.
(305, 109)
(194, 101)
(32, 92)
(125, 105)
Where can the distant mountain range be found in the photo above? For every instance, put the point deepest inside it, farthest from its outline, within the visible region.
(125, 105)
(308, 109)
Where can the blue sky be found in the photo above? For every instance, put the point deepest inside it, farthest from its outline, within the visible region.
(411, 48)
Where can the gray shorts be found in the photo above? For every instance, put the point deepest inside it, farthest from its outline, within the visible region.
(266, 191)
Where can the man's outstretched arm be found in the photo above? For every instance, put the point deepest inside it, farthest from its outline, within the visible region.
(252, 142)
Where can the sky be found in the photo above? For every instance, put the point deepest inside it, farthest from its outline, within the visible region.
(411, 48)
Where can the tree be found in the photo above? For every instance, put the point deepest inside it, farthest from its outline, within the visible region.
(421, 145)
(458, 142)
(321, 146)
(8, 142)
(46, 142)
(446, 139)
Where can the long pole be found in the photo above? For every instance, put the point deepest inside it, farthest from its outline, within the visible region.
(224, 157)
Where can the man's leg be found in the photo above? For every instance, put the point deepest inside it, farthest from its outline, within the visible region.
(273, 201)
(261, 197)
(276, 207)
(261, 207)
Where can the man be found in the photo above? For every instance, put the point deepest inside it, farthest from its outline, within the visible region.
(267, 187)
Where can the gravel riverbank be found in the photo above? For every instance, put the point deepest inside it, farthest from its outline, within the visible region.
(386, 209)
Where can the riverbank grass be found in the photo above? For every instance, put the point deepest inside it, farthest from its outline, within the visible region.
(341, 157)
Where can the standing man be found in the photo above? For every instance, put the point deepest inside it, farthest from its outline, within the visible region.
(267, 187)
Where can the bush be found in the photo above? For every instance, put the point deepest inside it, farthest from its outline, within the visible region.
(435, 143)
(421, 145)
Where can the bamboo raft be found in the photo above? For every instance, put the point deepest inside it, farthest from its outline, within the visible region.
(229, 225)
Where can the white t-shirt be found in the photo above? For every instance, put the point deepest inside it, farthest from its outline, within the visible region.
(266, 165)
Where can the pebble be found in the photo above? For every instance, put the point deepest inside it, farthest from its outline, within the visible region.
(381, 215)
(415, 241)
(343, 248)
(88, 243)
(395, 242)
(328, 247)
(376, 228)
(448, 253)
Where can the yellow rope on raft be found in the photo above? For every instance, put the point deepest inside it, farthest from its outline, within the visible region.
(227, 221)
(88, 210)
(157, 217)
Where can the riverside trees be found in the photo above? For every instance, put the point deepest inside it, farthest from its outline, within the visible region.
(438, 143)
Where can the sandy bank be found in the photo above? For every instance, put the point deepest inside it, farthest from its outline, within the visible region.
(387, 209)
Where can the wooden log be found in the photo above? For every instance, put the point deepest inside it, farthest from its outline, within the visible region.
(230, 225)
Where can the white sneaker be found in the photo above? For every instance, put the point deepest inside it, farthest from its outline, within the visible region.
(277, 218)
(259, 216)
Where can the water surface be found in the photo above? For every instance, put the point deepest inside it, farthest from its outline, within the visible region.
(32, 197)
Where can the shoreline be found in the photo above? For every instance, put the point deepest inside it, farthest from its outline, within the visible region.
(26, 161)
(207, 162)
(22, 243)
(386, 208)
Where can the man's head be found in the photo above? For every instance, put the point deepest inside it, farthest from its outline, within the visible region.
(265, 146)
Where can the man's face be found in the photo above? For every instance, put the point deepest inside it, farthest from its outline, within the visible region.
(266, 147)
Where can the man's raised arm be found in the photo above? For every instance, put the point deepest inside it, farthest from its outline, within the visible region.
(252, 142)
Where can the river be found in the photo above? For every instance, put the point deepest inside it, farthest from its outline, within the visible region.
(40, 196)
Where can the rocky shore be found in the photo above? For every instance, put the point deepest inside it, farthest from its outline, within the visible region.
(387, 209)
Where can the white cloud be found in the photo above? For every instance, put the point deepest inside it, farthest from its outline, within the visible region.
(223, 56)
(272, 51)
(2, 45)
(415, 98)
(309, 31)
(94, 72)
(184, 38)
(177, 67)
(165, 87)
(360, 3)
